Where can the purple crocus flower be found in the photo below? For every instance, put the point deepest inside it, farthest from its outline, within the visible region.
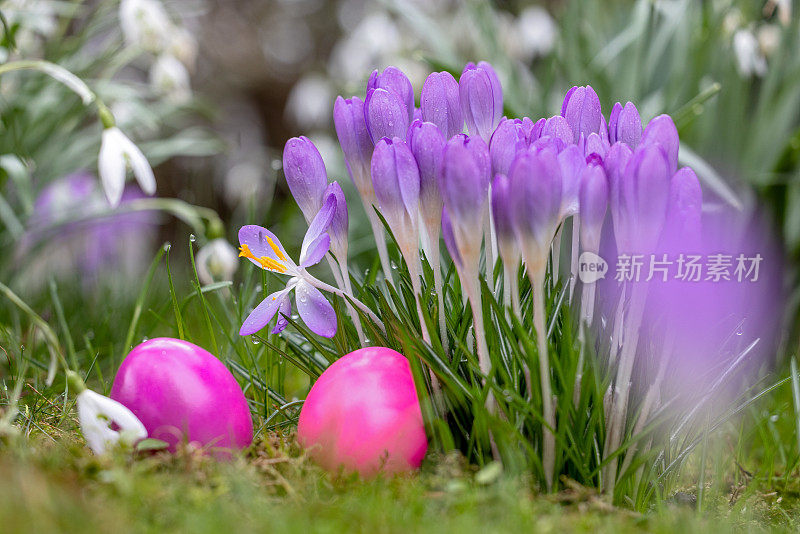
(440, 104)
(306, 175)
(385, 114)
(351, 129)
(395, 80)
(662, 130)
(449, 238)
(581, 109)
(479, 152)
(571, 162)
(595, 144)
(511, 137)
(593, 203)
(427, 145)
(536, 186)
(340, 222)
(481, 98)
(263, 249)
(684, 210)
(396, 179)
(558, 128)
(625, 125)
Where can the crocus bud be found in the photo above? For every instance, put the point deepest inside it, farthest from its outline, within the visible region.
(684, 210)
(557, 127)
(639, 204)
(481, 98)
(394, 79)
(535, 186)
(440, 103)
(306, 175)
(339, 223)
(351, 129)
(449, 238)
(386, 115)
(662, 130)
(395, 177)
(595, 144)
(427, 144)
(503, 221)
(581, 108)
(593, 203)
(615, 162)
(480, 153)
(510, 138)
(571, 162)
(625, 125)
(536, 130)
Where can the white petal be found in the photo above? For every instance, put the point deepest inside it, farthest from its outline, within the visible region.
(111, 165)
(141, 167)
(97, 413)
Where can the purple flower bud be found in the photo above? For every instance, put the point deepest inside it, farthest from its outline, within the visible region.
(625, 125)
(536, 130)
(684, 211)
(535, 184)
(662, 130)
(595, 144)
(305, 173)
(581, 108)
(427, 144)
(395, 80)
(479, 151)
(395, 178)
(639, 204)
(385, 114)
(417, 115)
(510, 138)
(572, 163)
(340, 223)
(351, 129)
(503, 221)
(615, 162)
(462, 180)
(449, 238)
(557, 127)
(481, 98)
(440, 103)
(593, 203)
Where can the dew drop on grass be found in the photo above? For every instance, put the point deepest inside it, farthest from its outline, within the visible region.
(774, 418)
(255, 341)
(394, 265)
(192, 238)
(167, 246)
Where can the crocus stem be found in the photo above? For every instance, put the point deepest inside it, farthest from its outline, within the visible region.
(343, 281)
(380, 242)
(556, 250)
(438, 286)
(490, 246)
(548, 434)
(319, 284)
(622, 384)
(576, 227)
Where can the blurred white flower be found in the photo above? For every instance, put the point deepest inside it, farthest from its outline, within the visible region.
(309, 102)
(146, 24)
(749, 59)
(769, 38)
(183, 46)
(537, 32)
(217, 261)
(169, 77)
(116, 151)
(96, 415)
(374, 40)
(784, 8)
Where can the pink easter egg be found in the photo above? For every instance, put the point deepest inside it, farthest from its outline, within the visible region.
(181, 392)
(363, 414)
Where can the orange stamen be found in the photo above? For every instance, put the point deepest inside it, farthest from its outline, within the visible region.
(266, 262)
(274, 247)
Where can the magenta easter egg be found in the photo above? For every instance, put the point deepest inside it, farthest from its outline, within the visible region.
(363, 414)
(181, 392)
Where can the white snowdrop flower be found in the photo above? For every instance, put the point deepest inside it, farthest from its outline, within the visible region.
(97, 414)
(145, 23)
(217, 261)
(769, 38)
(537, 32)
(749, 59)
(183, 46)
(116, 151)
(169, 77)
(308, 104)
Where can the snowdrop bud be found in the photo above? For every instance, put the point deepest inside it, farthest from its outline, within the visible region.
(351, 129)
(581, 109)
(427, 144)
(571, 162)
(216, 261)
(340, 223)
(385, 114)
(510, 138)
(535, 186)
(662, 130)
(145, 24)
(440, 103)
(170, 77)
(395, 177)
(305, 174)
(394, 79)
(625, 125)
(481, 97)
(749, 58)
(116, 151)
(593, 203)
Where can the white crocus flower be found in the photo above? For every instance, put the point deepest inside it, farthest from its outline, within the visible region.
(97, 414)
(116, 151)
(217, 261)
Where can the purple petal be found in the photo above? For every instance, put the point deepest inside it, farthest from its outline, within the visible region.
(449, 238)
(571, 162)
(340, 223)
(509, 139)
(684, 211)
(394, 79)
(305, 173)
(351, 129)
(316, 251)
(625, 125)
(593, 195)
(284, 312)
(462, 184)
(535, 194)
(263, 313)
(427, 145)
(395, 177)
(662, 130)
(315, 310)
(581, 109)
(557, 127)
(595, 145)
(481, 99)
(643, 195)
(318, 227)
(440, 103)
(260, 241)
(501, 208)
(385, 114)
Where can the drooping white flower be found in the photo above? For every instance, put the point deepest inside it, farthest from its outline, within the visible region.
(749, 59)
(216, 261)
(97, 414)
(116, 151)
(170, 77)
(183, 46)
(146, 24)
